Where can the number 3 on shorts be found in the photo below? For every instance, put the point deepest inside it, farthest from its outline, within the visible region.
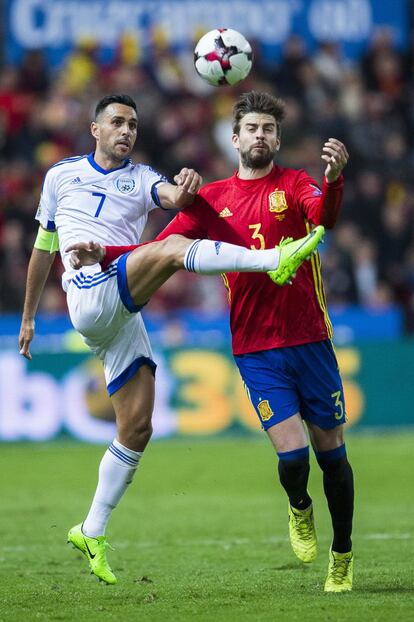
(101, 202)
(338, 403)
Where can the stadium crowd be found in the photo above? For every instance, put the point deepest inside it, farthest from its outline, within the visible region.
(368, 104)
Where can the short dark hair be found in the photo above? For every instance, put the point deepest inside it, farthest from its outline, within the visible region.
(115, 98)
(258, 102)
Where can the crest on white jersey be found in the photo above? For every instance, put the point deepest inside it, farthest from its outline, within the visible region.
(125, 185)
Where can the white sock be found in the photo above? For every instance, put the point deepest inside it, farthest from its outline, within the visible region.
(210, 257)
(116, 471)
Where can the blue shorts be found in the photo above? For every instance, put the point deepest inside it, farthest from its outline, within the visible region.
(300, 379)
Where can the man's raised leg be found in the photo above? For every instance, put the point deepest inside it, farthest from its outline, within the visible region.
(150, 265)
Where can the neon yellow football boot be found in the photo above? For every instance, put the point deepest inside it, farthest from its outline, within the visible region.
(302, 533)
(95, 550)
(340, 572)
(293, 253)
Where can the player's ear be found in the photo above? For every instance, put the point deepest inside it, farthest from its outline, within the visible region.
(277, 144)
(235, 140)
(95, 130)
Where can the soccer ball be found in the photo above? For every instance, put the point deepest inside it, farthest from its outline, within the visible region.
(223, 56)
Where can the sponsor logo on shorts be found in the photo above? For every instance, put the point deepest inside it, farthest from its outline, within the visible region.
(265, 411)
(125, 185)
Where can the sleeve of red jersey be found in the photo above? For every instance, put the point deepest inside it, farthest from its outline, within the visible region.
(188, 222)
(319, 206)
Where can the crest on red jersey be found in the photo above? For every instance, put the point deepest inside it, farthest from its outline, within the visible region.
(277, 203)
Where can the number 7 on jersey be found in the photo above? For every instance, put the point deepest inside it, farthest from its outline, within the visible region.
(101, 202)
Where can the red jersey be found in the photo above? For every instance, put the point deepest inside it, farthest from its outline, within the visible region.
(257, 214)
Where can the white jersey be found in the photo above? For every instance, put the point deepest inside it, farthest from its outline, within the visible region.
(84, 202)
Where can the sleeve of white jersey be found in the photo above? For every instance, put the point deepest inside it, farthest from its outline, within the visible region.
(48, 202)
(151, 181)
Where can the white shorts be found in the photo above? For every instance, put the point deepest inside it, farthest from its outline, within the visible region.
(102, 310)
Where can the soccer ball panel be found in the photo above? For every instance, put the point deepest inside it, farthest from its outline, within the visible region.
(223, 56)
(210, 70)
(234, 38)
(206, 43)
(240, 67)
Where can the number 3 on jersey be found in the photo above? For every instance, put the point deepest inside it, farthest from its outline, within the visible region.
(256, 235)
(102, 198)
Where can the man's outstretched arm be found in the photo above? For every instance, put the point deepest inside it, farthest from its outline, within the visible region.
(331, 202)
(336, 156)
(39, 267)
(322, 206)
(182, 195)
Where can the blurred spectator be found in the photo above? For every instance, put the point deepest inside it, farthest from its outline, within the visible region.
(394, 241)
(288, 77)
(338, 265)
(34, 74)
(14, 101)
(13, 263)
(383, 66)
(366, 273)
(364, 203)
(329, 65)
(351, 91)
(80, 68)
(338, 277)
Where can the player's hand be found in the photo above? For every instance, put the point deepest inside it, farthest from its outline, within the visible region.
(26, 335)
(336, 156)
(85, 254)
(188, 180)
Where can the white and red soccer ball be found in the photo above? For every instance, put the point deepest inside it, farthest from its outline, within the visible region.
(223, 56)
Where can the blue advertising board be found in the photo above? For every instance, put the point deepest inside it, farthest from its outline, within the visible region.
(351, 324)
(56, 26)
(199, 390)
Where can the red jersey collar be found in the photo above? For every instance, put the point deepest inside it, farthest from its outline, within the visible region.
(248, 184)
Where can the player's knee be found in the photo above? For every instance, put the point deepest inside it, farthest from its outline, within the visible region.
(144, 433)
(172, 251)
(136, 433)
